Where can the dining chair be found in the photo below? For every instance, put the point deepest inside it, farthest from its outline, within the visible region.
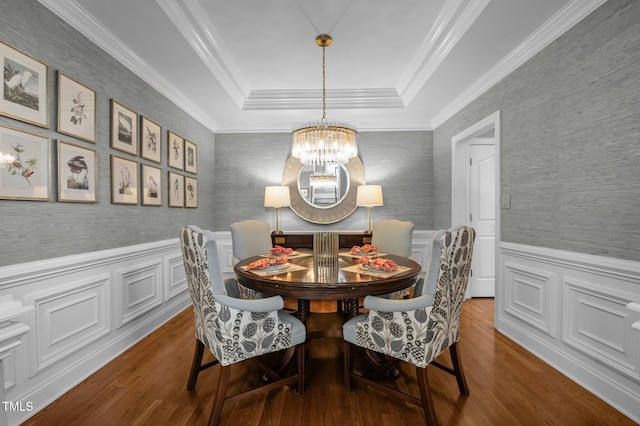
(415, 331)
(233, 329)
(249, 238)
(393, 236)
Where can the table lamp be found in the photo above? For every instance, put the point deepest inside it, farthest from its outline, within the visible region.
(276, 197)
(369, 196)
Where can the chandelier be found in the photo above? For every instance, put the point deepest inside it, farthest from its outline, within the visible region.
(324, 142)
(323, 181)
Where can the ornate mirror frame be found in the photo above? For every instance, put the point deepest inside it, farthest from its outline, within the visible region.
(333, 214)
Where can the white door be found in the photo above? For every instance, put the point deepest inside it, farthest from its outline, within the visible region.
(482, 196)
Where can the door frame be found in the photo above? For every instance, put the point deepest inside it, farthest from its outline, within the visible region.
(459, 195)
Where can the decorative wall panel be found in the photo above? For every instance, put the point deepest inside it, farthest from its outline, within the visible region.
(140, 290)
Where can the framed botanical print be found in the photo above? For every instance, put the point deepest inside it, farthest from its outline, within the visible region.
(151, 185)
(190, 157)
(77, 173)
(25, 92)
(124, 181)
(176, 190)
(150, 139)
(76, 109)
(124, 128)
(175, 155)
(24, 165)
(190, 192)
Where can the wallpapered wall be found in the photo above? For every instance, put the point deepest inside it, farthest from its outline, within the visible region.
(34, 230)
(399, 161)
(570, 146)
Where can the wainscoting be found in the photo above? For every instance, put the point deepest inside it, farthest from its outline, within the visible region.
(570, 310)
(88, 309)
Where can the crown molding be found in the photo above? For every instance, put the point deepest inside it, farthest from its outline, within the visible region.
(312, 99)
(453, 21)
(75, 15)
(200, 33)
(288, 127)
(572, 13)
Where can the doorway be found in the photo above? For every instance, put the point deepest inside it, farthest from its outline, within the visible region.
(475, 193)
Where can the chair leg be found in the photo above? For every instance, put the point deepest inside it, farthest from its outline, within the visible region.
(456, 360)
(300, 351)
(195, 365)
(221, 392)
(425, 395)
(347, 366)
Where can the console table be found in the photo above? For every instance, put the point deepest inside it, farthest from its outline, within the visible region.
(298, 240)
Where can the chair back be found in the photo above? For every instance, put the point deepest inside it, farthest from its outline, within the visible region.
(250, 238)
(204, 279)
(427, 286)
(393, 236)
(456, 250)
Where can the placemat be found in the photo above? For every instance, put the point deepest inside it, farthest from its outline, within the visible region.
(355, 256)
(375, 272)
(300, 254)
(262, 273)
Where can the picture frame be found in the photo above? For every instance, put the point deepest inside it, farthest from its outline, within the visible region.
(151, 185)
(175, 151)
(76, 109)
(176, 190)
(25, 92)
(190, 157)
(150, 140)
(124, 180)
(124, 128)
(77, 173)
(25, 165)
(190, 192)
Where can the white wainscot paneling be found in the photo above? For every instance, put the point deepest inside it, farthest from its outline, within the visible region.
(598, 324)
(572, 310)
(140, 290)
(67, 319)
(175, 282)
(527, 291)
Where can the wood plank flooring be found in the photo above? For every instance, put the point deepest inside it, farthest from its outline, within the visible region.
(509, 386)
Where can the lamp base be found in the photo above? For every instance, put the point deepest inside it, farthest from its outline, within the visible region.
(368, 232)
(277, 232)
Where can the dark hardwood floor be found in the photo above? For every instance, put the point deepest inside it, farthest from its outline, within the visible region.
(509, 386)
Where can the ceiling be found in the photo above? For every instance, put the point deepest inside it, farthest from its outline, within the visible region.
(253, 66)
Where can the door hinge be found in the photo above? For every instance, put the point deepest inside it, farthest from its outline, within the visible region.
(471, 161)
(470, 217)
(472, 272)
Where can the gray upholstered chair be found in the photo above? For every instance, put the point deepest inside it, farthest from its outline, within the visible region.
(414, 330)
(249, 238)
(393, 236)
(234, 329)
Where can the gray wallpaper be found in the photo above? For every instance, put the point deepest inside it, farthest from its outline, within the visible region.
(33, 230)
(570, 145)
(399, 161)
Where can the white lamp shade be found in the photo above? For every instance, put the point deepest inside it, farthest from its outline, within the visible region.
(369, 195)
(277, 196)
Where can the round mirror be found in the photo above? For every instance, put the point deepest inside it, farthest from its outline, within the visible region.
(331, 204)
(323, 186)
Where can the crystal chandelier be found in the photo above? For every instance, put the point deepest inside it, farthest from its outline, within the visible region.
(323, 181)
(324, 142)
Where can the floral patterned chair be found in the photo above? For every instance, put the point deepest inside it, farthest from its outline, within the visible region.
(234, 329)
(415, 330)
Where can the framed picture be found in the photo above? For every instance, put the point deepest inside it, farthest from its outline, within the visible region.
(190, 157)
(176, 190)
(76, 109)
(175, 156)
(190, 192)
(26, 86)
(150, 139)
(124, 128)
(151, 184)
(124, 181)
(77, 173)
(24, 165)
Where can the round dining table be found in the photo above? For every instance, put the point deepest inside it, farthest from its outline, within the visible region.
(343, 280)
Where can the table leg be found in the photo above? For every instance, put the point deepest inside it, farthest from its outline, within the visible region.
(303, 310)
